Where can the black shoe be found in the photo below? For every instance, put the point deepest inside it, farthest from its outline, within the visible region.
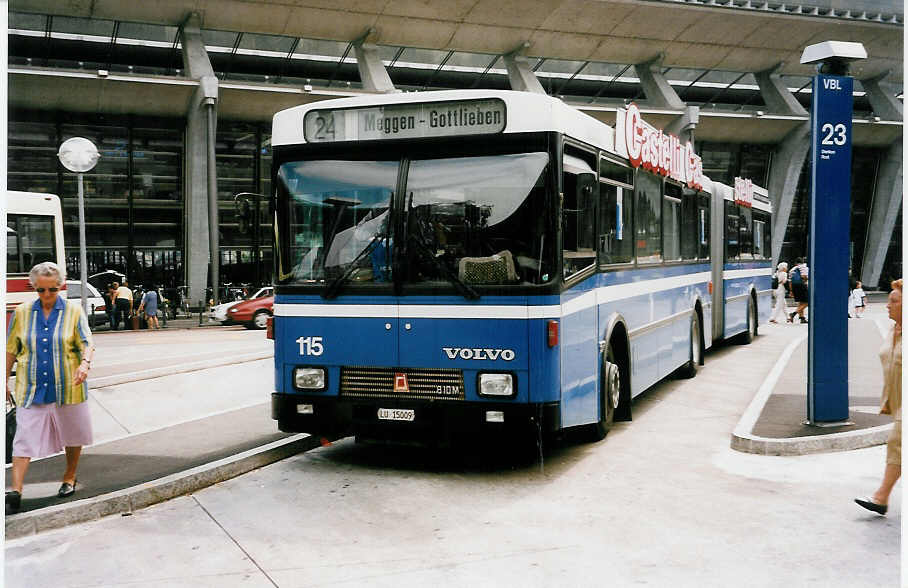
(13, 501)
(865, 502)
(67, 489)
(803, 321)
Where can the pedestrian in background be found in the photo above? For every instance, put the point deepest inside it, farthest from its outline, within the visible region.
(891, 359)
(858, 298)
(51, 342)
(109, 304)
(780, 292)
(114, 289)
(149, 304)
(798, 277)
(124, 302)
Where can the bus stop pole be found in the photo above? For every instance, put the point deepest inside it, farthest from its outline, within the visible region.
(83, 256)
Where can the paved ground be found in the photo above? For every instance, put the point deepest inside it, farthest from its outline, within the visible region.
(662, 501)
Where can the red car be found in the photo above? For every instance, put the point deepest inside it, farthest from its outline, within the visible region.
(253, 314)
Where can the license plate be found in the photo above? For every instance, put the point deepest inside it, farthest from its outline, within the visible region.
(396, 414)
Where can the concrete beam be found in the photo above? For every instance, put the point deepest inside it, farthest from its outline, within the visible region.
(684, 125)
(659, 92)
(196, 182)
(887, 199)
(884, 103)
(785, 171)
(372, 71)
(520, 74)
(776, 95)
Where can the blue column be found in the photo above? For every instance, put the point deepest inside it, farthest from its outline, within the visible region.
(830, 201)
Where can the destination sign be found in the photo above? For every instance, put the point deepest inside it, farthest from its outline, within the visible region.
(744, 192)
(405, 121)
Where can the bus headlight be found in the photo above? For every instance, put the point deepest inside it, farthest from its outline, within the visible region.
(496, 385)
(306, 378)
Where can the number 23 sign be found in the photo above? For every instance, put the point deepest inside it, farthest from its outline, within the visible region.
(832, 112)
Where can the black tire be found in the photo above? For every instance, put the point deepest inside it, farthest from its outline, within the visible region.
(747, 336)
(689, 369)
(609, 396)
(259, 320)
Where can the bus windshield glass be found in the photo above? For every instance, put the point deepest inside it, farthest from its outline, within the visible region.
(466, 220)
(480, 219)
(339, 217)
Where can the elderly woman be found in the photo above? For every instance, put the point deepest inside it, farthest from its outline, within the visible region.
(891, 358)
(778, 311)
(50, 340)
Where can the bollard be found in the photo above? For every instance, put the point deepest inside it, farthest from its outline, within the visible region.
(201, 307)
(91, 318)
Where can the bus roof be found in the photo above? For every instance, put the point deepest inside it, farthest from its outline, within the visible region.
(526, 112)
(31, 202)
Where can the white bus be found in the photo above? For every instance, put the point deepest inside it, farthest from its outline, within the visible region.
(34, 234)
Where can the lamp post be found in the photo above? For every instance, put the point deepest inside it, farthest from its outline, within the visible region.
(80, 155)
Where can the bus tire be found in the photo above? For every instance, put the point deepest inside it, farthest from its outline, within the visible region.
(609, 396)
(747, 336)
(689, 369)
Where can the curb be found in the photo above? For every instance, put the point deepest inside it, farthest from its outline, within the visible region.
(131, 499)
(814, 444)
(125, 378)
(743, 439)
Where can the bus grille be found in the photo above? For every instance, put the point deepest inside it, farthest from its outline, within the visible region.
(378, 382)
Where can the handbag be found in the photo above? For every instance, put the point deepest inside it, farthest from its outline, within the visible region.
(10, 428)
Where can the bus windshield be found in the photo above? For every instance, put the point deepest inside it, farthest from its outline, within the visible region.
(466, 221)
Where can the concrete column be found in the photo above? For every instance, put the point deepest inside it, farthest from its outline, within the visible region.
(777, 97)
(886, 202)
(196, 180)
(521, 75)
(787, 162)
(883, 101)
(657, 89)
(684, 125)
(372, 71)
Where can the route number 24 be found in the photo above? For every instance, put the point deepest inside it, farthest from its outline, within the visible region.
(311, 345)
(833, 135)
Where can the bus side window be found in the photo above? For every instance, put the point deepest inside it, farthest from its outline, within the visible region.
(731, 231)
(690, 225)
(616, 230)
(648, 217)
(746, 233)
(762, 236)
(671, 222)
(703, 226)
(578, 216)
(12, 247)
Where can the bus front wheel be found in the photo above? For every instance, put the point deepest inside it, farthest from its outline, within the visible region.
(747, 336)
(609, 396)
(689, 369)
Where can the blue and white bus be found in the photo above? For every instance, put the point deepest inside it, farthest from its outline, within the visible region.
(481, 262)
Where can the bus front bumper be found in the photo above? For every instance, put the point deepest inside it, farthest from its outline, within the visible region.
(338, 417)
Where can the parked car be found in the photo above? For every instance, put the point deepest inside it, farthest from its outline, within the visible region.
(219, 312)
(254, 313)
(96, 309)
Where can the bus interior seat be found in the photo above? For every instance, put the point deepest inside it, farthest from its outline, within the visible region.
(494, 269)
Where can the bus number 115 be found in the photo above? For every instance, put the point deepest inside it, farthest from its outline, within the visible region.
(310, 345)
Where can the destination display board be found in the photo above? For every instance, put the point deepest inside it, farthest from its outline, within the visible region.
(405, 121)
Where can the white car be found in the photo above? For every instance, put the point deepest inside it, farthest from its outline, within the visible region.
(96, 309)
(219, 312)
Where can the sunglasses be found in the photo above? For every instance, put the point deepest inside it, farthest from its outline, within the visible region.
(41, 290)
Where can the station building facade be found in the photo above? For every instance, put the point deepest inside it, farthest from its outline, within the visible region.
(134, 89)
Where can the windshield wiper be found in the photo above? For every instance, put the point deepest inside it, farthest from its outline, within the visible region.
(332, 289)
(465, 290)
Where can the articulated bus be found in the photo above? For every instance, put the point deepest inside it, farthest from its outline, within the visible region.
(34, 234)
(483, 262)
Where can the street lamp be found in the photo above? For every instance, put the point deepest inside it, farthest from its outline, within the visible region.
(80, 155)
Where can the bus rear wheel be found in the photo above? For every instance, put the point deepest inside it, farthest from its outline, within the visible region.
(609, 396)
(689, 369)
(747, 336)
